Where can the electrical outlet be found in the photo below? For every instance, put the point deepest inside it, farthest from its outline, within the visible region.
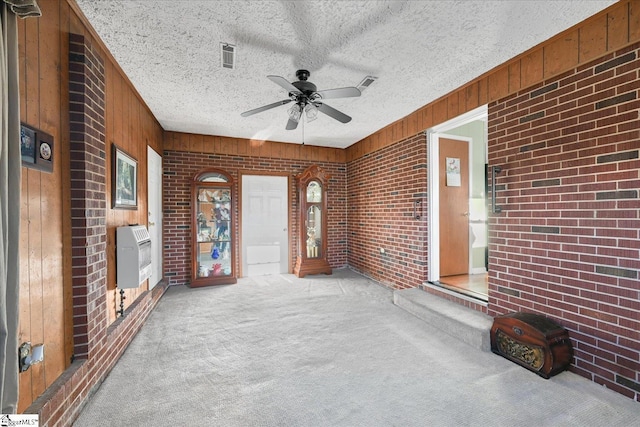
(382, 250)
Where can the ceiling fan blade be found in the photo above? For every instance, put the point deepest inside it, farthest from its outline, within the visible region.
(291, 124)
(281, 81)
(265, 108)
(332, 112)
(342, 92)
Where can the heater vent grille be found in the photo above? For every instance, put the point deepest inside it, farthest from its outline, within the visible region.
(228, 54)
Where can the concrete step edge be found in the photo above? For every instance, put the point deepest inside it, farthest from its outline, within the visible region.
(468, 325)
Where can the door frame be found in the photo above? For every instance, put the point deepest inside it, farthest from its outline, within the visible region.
(433, 177)
(241, 174)
(157, 264)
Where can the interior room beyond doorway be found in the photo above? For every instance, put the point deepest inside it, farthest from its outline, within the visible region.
(458, 245)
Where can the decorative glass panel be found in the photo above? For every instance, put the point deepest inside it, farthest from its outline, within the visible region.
(314, 232)
(314, 192)
(214, 177)
(214, 241)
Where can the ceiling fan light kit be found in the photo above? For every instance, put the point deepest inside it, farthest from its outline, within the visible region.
(295, 112)
(307, 98)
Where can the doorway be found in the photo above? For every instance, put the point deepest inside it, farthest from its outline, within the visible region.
(457, 204)
(265, 225)
(154, 201)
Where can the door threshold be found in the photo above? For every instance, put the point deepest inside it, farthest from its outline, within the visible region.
(467, 292)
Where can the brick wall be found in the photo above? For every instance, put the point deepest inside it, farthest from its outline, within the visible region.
(88, 195)
(97, 345)
(567, 243)
(179, 169)
(382, 189)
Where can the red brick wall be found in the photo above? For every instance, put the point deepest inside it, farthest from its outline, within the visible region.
(180, 168)
(567, 243)
(88, 195)
(382, 188)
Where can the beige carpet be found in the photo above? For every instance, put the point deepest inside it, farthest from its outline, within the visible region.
(325, 351)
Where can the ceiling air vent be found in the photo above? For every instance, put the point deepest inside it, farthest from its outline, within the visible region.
(366, 82)
(228, 54)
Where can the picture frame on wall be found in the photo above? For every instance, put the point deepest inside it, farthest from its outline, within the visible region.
(27, 145)
(124, 179)
(36, 148)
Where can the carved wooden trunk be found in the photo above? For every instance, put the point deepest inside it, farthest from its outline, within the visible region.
(533, 341)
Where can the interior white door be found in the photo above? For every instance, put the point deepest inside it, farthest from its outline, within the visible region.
(154, 196)
(265, 234)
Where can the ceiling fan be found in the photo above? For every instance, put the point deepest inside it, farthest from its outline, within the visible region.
(307, 99)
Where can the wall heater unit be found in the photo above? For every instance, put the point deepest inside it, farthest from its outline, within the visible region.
(133, 256)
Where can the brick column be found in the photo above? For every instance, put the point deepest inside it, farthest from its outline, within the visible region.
(88, 196)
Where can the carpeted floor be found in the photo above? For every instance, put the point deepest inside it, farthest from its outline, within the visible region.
(325, 351)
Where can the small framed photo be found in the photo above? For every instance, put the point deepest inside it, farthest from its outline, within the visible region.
(36, 148)
(124, 179)
(27, 145)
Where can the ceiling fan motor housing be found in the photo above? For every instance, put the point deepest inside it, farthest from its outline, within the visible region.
(305, 87)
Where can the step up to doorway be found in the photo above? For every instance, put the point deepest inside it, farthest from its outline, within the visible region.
(466, 324)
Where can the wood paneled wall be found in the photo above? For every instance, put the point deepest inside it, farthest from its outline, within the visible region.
(43, 318)
(132, 127)
(608, 31)
(46, 306)
(178, 141)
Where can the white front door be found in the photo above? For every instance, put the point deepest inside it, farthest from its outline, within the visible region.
(265, 233)
(154, 181)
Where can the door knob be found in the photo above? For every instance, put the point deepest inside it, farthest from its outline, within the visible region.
(465, 214)
(152, 223)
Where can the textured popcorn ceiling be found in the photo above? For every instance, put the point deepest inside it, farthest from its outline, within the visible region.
(419, 50)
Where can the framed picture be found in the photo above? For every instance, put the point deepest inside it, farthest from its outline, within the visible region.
(36, 148)
(124, 180)
(27, 145)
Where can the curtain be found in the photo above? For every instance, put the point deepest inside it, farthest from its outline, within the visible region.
(10, 182)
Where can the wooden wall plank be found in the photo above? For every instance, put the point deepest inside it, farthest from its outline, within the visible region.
(53, 319)
(453, 105)
(427, 116)
(471, 97)
(634, 21)
(593, 39)
(244, 147)
(263, 148)
(196, 143)
(412, 123)
(498, 82)
(532, 68)
(514, 76)
(440, 111)
(182, 142)
(483, 90)
(618, 26)
(561, 54)
(216, 144)
(34, 196)
(24, 333)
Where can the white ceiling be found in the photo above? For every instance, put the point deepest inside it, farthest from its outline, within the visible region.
(418, 50)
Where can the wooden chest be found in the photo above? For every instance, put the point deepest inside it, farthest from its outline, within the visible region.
(533, 341)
